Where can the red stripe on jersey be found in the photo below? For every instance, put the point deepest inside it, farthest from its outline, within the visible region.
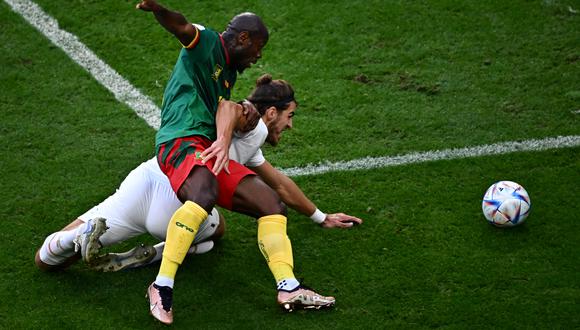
(225, 50)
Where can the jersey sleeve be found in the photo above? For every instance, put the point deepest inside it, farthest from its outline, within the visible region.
(198, 28)
(256, 160)
(245, 147)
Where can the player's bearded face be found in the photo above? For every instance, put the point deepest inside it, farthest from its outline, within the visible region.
(282, 122)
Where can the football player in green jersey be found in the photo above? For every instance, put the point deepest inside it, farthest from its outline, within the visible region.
(192, 147)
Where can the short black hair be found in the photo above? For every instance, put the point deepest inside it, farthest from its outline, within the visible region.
(249, 22)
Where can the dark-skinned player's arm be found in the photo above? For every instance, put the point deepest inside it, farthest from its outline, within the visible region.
(172, 21)
(250, 117)
(229, 116)
(295, 198)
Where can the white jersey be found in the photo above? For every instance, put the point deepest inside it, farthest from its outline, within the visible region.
(145, 201)
(245, 147)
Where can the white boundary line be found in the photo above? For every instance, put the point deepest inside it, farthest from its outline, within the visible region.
(82, 55)
(428, 156)
(146, 109)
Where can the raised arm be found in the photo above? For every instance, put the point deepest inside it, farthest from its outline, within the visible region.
(173, 22)
(295, 198)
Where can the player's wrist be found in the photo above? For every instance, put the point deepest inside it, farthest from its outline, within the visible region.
(224, 140)
(318, 216)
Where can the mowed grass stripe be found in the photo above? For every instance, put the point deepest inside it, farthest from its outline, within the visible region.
(144, 107)
(123, 90)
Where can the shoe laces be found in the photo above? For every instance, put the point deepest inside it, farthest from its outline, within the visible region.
(166, 294)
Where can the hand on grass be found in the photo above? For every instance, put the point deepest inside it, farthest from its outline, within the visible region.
(340, 220)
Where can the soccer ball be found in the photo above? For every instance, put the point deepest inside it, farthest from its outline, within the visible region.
(506, 204)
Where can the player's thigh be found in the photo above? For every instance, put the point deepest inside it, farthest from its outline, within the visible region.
(163, 205)
(255, 198)
(73, 225)
(200, 187)
(125, 211)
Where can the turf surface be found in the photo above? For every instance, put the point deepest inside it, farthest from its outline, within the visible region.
(373, 78)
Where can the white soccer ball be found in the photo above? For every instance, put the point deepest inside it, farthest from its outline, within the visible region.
(506, 204)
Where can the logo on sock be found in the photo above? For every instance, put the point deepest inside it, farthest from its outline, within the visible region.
(180, 225)
(263, 250)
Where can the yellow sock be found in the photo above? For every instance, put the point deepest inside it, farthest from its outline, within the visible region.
(275, 246)
(180, 234)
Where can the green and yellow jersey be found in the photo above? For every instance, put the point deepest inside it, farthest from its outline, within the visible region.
(201, 78)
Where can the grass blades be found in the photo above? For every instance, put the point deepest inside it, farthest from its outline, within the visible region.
(373, 78)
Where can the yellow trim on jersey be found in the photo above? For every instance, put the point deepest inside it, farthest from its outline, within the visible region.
(195, 40)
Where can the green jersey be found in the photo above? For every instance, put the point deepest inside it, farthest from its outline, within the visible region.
(201, 78)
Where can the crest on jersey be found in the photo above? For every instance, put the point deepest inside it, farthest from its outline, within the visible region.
(217, 72)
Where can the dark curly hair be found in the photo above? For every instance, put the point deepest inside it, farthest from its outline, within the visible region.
(271, 93)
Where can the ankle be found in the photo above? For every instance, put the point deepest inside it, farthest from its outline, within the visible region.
(288, 284)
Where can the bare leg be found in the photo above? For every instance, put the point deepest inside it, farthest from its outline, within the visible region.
(255, 198)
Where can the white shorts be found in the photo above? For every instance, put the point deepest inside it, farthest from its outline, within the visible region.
(144, 203)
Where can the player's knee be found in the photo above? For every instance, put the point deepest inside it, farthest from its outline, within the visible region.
(274, 207)
(220, 230)
(282, 208)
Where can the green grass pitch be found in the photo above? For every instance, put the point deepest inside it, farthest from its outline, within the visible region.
(373, 78)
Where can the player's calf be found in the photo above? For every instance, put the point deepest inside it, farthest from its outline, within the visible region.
(58, 249)
(46, 267)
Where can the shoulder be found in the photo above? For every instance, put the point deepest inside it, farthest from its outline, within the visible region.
(199, 27)
(255, 137)
(261, 132)
(203, 36)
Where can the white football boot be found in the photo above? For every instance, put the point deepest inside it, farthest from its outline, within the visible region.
(88, 242)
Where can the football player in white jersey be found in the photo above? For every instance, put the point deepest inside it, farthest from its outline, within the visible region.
(145, 202)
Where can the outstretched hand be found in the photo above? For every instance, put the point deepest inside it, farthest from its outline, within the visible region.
(340, 220)
(147, 5)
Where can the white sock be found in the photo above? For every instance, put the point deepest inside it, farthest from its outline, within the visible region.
(288, 284)
(164, 281)
(57, 247)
